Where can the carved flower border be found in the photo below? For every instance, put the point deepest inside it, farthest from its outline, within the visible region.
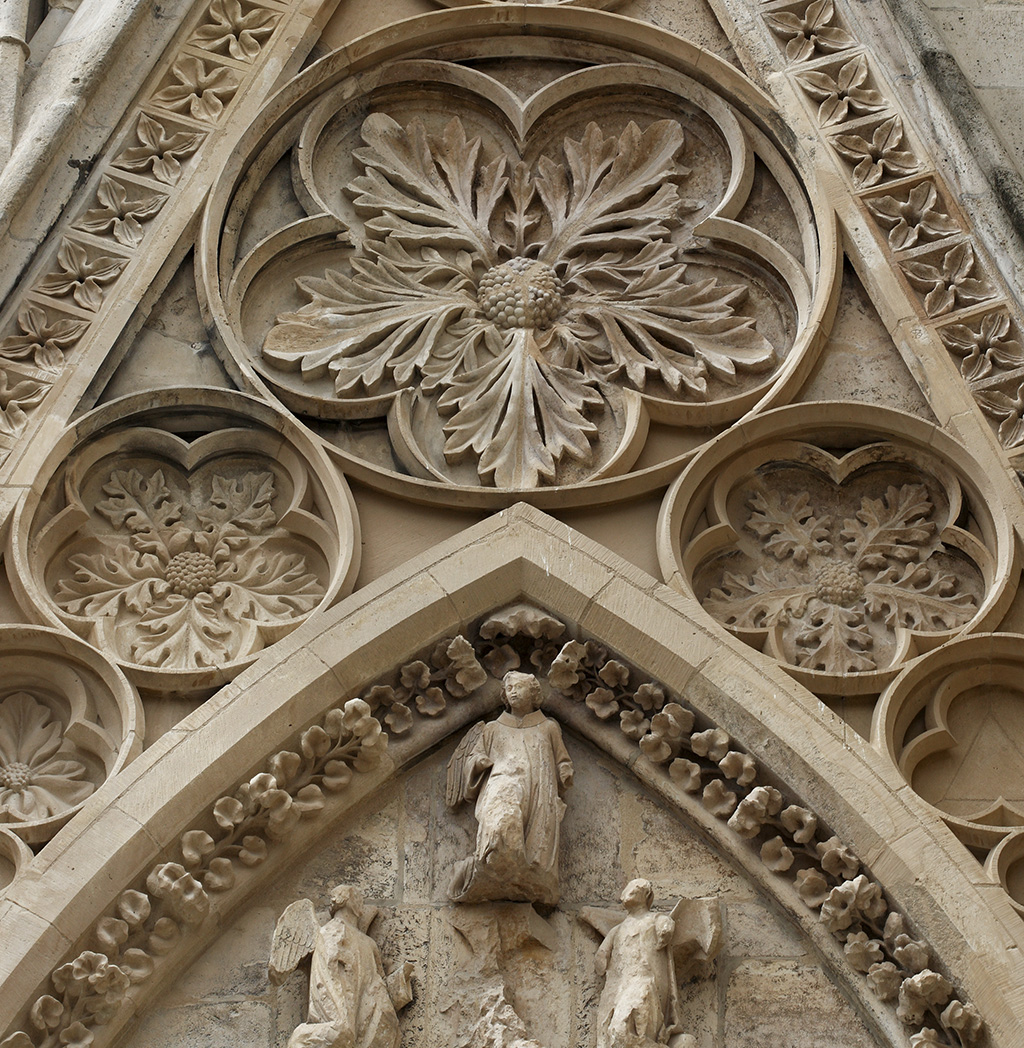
(152, 921)
(693, 525)
(163, 579)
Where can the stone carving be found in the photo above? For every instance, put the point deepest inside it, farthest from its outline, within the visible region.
(946, 282)
(643, 957)
(235, 29)
(517, 335)
(159, 152)
(149, 923)
(913, 215)
(843, 95)
(518, 309)
(17, 397)
(82, 274)
(186, 557)
(836, 565)
(120, 214)
(986, 346)
(196, 568)
(42, 337)
(879, 157)
(515, 770)
(809, 31)
(39, 773)
(68, 719)
(352, 1004)
(148, 927)
(199, 89)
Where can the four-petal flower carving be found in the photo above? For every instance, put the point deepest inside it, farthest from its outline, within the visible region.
(82, 275)
(159, 151)
(984, 347)
(120, 214)
(881, 156)
(41, 339)
(809, 33)
(198, 90)
(948, 284)
(200, 573)
(516, 300)
(916, 217)
(39, 776)
(235, 31)
(844, 94)
(825, 586)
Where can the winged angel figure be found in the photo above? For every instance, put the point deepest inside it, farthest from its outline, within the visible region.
(352, 1004)
(643, 958)
(506, 310)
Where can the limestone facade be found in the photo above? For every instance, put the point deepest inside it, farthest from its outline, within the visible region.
(366, 367)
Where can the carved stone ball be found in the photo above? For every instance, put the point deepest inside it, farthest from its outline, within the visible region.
(520, 293)
(839, 584)
(191, 573)
(15, 776)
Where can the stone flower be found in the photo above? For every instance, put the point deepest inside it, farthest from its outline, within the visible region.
(823, 585)
(919, 993)
(850, 901)
(964, 1018)
(881, 156)
(985, 347)
(843, 94)
(159, 151)
(198, 89)
(82, 274)
(231, 30)
(810, 32)
(885, 980)
(120, 214)
(919, 216)
(514, 302)
(948, 285)
(38, 778)
(189, 576)
(41, 339)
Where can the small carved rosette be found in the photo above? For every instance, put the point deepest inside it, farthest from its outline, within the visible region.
(186, 557)
(841, 562)
(481, 291)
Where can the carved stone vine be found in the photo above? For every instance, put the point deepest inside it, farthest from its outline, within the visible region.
(149, 922)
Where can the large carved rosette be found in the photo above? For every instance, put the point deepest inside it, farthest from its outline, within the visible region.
(459, 285)
(842, 551)
(185, 540)
(68, 720)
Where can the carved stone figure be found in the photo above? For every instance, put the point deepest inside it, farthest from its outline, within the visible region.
(642, 958)
(352, 1004)
(515, 768)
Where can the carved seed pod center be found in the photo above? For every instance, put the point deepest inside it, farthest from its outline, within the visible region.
(839, 584)
(520, 293)
(15, 776)
(191, 573)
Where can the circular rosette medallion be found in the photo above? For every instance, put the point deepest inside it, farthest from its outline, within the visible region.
(183, 538)
(462, 280)
(841, 550)
(68, 721)
(948, 723)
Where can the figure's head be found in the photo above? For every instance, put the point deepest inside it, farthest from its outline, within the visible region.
(345, 897)
(522, 692)
(637, 895)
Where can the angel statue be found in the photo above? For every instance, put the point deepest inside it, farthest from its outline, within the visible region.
(643, 958)
(515, 768)
(351, 1002)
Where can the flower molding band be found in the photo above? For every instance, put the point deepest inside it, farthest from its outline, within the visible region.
(186, 537)
(472, 290)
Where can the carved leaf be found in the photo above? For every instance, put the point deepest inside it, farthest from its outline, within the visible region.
(619, 193)
(918, 597)
(894, 526)
(659, 324)
(520, 415)
(197, 89)
(119, 214)
(42, 339)
(145, 507)
(788, 526)
(104, 582)
(380, 321)
(758, 601)
(179, 632)
(238, 508)
(835, 641)
(229, 29)
(427, 193)
(265, 586)
(159, 150)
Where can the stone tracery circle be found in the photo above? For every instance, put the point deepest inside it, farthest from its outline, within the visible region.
(843, 551)
(517, 328)
(184, 538)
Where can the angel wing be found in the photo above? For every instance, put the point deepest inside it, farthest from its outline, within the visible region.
(293, 940)
(601, 920)
(698, 933)
(458, 780)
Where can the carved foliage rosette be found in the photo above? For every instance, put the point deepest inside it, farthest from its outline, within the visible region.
(505, 293)
(186, 555)
(841, 555)
(68, 720)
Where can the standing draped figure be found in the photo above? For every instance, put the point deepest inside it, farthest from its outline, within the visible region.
(515, 768)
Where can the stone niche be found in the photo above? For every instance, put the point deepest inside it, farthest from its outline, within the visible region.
(766, 986)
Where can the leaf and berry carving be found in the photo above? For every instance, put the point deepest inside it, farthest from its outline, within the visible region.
(833, 590)
(519, 300)
(190, 574)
